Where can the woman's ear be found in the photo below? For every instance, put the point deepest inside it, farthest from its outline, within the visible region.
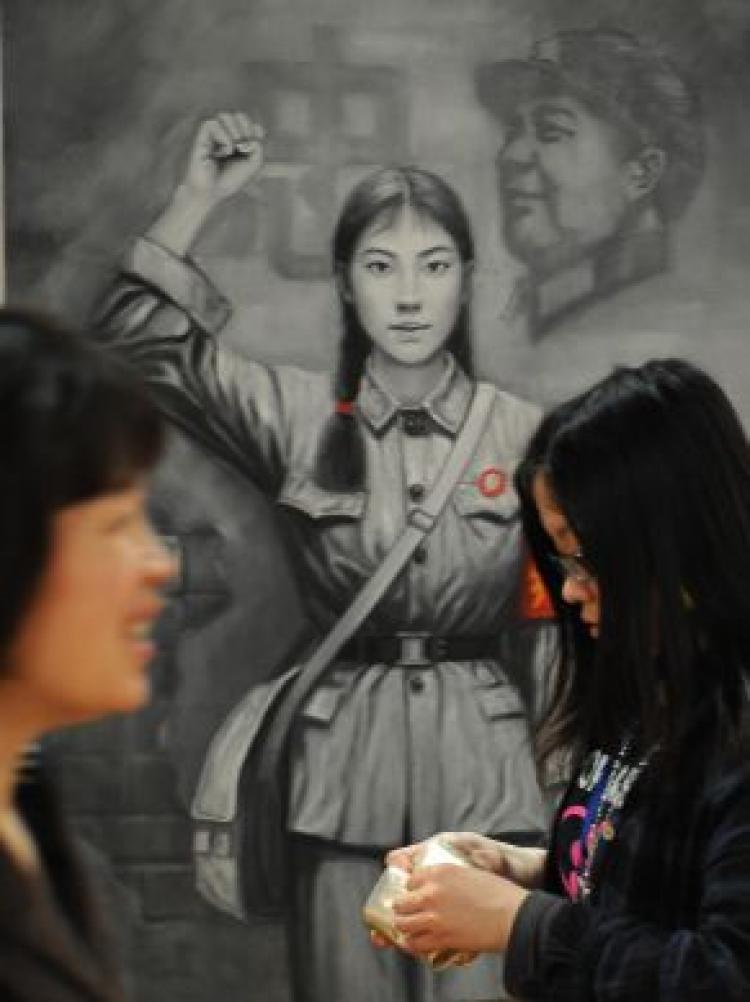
(467, 281)
(343, 286)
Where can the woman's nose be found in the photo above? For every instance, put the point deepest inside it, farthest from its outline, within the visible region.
(519, 147)
(408, 299)
(573, 591)
(162, 558)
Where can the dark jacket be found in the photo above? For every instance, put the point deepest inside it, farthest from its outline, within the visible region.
(668, 919)
(54, 945)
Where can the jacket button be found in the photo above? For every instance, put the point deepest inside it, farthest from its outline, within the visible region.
(416, 683)
(416, 492)
(420, 554)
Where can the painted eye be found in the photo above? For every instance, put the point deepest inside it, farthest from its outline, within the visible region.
(550, 133)
(378, 267)
(438, 267)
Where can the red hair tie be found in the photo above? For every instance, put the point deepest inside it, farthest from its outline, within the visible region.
(345, 407)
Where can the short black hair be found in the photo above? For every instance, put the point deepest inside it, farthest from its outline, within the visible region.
(75, 423)
(651, 468)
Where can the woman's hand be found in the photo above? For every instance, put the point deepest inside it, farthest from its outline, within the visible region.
(226, 155)
(524, 866)
(406, 857)
(450, 907)
(521, 867)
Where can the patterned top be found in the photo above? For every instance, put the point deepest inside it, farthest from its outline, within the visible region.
(589, 817)
(668, 916)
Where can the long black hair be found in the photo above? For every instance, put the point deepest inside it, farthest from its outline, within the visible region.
(340, 463)
(651, 468)
(74, 423)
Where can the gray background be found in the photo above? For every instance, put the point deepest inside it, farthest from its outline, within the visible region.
(101, 99)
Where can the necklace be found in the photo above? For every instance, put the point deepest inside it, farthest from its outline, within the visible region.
(610, 781)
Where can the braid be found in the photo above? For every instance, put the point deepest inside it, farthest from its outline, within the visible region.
(340, 465)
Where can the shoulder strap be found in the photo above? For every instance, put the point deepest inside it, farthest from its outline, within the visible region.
(420, 522)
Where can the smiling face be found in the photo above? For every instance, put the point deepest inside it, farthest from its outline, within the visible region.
(83, 645)
(565, 182)
(406, 280)
(580, 590)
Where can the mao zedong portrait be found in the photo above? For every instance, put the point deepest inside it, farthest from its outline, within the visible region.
(602, 150)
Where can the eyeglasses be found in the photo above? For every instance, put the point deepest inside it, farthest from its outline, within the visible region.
(574, 566)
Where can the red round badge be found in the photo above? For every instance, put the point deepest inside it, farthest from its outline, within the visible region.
(492, 482)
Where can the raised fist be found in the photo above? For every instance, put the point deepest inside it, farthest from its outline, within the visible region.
(226, 154)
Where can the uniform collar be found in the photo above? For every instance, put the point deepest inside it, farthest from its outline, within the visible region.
(447, 403)
(630, 258)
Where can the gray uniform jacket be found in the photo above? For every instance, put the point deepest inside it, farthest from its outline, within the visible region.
(385, 753)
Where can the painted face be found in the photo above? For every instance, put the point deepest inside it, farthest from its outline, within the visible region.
(565, 183)
(406, 280)
(578, 589)
(84, 644)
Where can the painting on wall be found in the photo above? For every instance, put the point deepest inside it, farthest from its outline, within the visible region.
(202, 186)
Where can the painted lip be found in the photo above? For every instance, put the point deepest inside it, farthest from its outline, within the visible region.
(408, 327)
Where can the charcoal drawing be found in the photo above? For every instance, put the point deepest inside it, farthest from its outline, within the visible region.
(102, 104)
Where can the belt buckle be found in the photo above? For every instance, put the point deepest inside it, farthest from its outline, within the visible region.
(414, 650)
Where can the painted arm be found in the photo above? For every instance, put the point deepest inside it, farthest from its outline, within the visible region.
(162, 314)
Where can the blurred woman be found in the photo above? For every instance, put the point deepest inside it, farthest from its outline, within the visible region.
(79, 594)
(636, 499)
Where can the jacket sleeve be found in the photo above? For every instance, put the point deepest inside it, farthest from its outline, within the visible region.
(565, 951)
(162, 314)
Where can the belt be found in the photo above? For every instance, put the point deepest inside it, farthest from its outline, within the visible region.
(417, 650)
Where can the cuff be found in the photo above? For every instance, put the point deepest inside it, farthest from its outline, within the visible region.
(528, 938)
(179, 280)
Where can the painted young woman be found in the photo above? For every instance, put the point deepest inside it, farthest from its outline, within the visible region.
(385, 749)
